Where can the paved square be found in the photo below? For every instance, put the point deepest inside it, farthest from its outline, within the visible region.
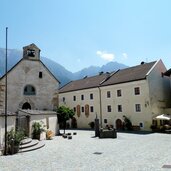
(129, 152)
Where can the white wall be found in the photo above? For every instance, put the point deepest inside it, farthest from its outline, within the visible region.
(11, 121)
(82, 121)
(43, 119)
(128, 101)
(47, 118)
(159, 89)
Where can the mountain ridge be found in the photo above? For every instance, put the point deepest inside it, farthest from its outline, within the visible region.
(60, 72)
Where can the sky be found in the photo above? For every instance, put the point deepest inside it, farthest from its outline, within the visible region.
(81, 33)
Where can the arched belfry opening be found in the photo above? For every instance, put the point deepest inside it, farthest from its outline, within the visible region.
(26, 106)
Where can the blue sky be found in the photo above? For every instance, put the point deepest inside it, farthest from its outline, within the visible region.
(80, 33)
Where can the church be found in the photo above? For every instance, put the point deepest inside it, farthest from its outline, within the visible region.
(30, 84)
(32, 93)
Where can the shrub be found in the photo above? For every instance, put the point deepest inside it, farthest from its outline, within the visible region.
(91, 124)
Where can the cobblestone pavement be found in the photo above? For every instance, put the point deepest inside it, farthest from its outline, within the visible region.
(130, 152)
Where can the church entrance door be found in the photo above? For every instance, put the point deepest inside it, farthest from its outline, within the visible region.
(26, 106)
(23, 123)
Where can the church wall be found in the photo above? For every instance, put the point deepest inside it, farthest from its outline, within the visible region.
(27, 73)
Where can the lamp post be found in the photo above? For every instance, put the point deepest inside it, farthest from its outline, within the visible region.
(5, 150)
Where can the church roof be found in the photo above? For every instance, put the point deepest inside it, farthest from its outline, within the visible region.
(31, 45)
(37, 61)
(135, 73)
(25, 48)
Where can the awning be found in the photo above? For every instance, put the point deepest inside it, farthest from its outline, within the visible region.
(163, 117)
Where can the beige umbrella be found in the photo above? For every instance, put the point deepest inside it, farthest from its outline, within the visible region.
(163, 117)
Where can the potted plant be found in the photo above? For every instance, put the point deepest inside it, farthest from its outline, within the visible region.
(14, 138)
(37, 130)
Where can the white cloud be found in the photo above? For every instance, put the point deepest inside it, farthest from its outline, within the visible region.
(125, 55)
(106, 56)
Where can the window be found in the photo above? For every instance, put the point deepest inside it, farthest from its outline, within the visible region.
(119, 93)
(141, 124)
(91, 96)
(137, 107)
(31, 52)
(109, 109)
(74, 109)
(63, 99)
(74, 98)
(40, 75)
(82, 109)
(119, 108)
(108, 94)
(82, 97)
(29, 90)
(136, 90)
(91, 109)
(105, 120)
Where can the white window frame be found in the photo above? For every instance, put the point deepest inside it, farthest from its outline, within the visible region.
(108, 108)
(135, 91)
(120, 93)
(121, 109)
(138, 107)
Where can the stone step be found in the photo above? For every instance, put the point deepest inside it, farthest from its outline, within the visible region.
(35, 147)
(29, 144)
(26, 141)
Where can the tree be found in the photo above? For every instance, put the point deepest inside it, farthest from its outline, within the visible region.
(127, 123)
(64, 113)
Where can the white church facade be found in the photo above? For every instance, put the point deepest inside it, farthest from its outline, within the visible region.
(30, 86)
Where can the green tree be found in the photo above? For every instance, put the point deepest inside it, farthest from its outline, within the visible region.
(64, 113)
(127, 123)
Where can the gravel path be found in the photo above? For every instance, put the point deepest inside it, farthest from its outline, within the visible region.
(129, 152)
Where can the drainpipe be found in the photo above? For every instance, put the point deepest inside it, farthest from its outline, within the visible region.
(100, 107)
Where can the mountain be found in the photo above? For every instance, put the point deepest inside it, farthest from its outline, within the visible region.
(13, 57)
(62, 74)
(111, 66)
(94, 70)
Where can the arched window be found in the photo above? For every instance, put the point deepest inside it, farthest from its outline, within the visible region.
(29, 90)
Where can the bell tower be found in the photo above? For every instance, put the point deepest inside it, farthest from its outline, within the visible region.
(31, 52)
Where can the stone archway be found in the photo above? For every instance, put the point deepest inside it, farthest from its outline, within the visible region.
(119, 124)
(26, 106)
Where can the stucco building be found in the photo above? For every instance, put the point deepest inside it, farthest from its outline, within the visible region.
(139, 92)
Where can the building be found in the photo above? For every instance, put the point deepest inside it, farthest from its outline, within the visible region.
(139, 92)
(30, 85)
(168, 74)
